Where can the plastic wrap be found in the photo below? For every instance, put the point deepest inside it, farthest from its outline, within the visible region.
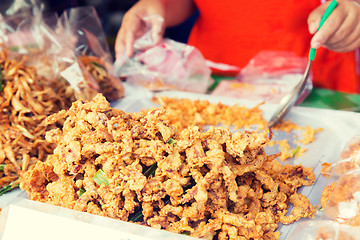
(166, 65)
(344, 202)
(268, 76)
(324, 230)
(92, 56)
(27, 32)
(349, 159)
(71, 46)
(345, 167)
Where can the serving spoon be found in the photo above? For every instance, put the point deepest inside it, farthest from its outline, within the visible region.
(290, 99)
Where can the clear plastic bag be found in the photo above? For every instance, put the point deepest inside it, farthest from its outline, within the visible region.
(166, 65)
(25, 31)
(324, 230)
(71, 46)
(349, 159)
(344, 202)
(268, 76)
(93, 62)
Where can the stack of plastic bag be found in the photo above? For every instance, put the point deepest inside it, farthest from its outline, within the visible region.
(71, 46)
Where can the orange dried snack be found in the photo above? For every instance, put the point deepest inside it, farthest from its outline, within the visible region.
(26, 99)
(326, 194)
(214, 184)
(185, 112)
(326, 169)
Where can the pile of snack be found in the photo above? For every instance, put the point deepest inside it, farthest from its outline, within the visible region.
(137, 167)
(185, 112)
(26, 100)
(44, 67)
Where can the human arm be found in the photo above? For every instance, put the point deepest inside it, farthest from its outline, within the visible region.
(172, 12)
(341, 31)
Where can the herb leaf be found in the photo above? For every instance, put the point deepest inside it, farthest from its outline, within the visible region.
(8, 187)
(81, 191)
(171, 141)
(296, 151)
(100, 178)
(151, 170)
(96, 64)
(137, 216)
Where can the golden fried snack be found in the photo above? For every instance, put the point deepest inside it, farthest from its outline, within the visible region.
(326, 169)
(326, 194)
(26, 99)
(202, 112)
(184, 112)
(139, 168)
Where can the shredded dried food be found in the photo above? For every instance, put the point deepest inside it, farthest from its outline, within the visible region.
(26, 100)
(139, 168)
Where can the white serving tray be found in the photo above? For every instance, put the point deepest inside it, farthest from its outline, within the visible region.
(339, 127)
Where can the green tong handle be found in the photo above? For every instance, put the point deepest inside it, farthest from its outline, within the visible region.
(327, 13)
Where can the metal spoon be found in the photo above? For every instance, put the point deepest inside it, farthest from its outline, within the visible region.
(289, 100)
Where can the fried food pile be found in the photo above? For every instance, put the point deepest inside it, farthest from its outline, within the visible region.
(182, 113)
(26, 100)
(139, 168)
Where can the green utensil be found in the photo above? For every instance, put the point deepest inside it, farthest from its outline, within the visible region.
(290, 99)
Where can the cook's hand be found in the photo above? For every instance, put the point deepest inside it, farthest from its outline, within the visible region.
(144, 15)
(341, 31)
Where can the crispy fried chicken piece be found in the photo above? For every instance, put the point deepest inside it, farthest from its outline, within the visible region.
(138, 168)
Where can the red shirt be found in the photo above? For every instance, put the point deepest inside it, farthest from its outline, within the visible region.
(234, 31)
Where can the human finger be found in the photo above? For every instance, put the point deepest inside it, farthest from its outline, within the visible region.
(126, 36)
(315, 17)
(119, 44)
(349, 31)
(349, 43)
(330, 26)
(157, 27)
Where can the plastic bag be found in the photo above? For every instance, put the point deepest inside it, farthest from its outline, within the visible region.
(269, 76)
(349, 159)
(71, 47)
(26, 32)
(324, 230)
(91, 70)
(166, 65)
(344, 202)
(340, 200)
